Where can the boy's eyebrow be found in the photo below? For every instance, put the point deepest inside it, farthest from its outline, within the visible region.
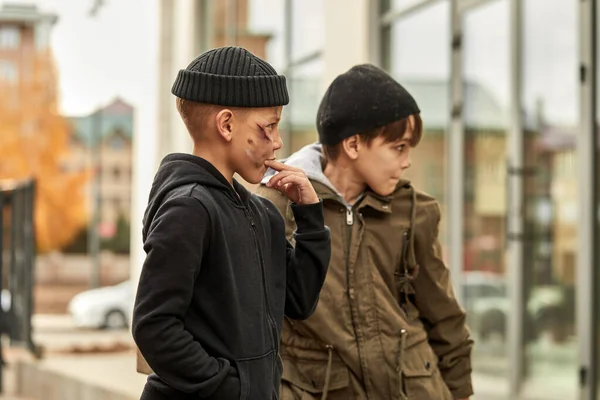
(272, 119)
(401, 142)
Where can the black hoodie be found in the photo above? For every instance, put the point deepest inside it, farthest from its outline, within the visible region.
(218, 277)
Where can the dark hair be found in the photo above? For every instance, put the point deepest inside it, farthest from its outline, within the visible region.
(392, 132)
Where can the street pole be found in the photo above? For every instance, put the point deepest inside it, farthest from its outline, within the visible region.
(93, 234)
(96, 161)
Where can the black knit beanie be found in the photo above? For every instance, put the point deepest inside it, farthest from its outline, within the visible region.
(361, 99)
(231, 77)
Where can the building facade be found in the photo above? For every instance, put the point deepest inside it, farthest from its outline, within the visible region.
(508, 95)
(102, 142)
(24, 32)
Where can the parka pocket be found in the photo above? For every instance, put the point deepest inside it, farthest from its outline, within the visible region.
(306, 380)
(420, 374)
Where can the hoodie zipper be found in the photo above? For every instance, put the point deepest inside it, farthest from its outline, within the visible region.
(272, 324)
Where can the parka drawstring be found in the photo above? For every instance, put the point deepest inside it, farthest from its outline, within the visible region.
(328, 371)
(413, 215)
(408, 262)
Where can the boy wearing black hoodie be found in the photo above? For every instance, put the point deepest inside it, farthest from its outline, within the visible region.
(219, 274)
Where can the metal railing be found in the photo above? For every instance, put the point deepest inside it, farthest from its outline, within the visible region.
(17, 264)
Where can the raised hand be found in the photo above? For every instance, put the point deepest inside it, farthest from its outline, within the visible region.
(292, 182)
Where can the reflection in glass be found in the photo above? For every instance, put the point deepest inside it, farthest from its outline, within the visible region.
(266, 20)
(308, 27)
(551, 109)
(485, 117)
(425, 75)
(395, 5)
(304, 85)
(307, 31)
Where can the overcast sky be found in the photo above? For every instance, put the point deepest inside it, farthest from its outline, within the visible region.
(105, 57)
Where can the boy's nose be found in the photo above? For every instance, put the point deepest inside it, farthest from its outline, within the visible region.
(407, 163)
(277, 143)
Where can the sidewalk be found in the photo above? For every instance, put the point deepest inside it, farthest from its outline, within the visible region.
(77, 377)
(552, 371)
(76, 364)
(99, 365)
(9, 382)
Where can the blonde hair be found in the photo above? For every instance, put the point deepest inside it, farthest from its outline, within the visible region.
(196, 115)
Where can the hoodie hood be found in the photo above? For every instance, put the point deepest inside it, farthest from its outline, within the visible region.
(177, 170)
(310, 159)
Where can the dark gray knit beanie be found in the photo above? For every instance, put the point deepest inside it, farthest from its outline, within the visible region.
(233, 77)
(359, 100)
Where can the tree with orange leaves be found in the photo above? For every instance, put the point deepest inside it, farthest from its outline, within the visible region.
(34, 142)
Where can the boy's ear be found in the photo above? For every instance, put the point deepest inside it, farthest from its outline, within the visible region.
(224, 123)
(351, 146)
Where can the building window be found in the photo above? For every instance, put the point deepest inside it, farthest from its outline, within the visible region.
(307, 29)
(301, 25)
(8, 72)
(116, 143)
(116, 204)
(10, 37)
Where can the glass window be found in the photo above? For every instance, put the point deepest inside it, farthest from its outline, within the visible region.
(116, 143)
(307, 33)
(116, 172)
(485, 117)
(551, 109)
(395, 5)
(425, 74)
(10, 37)
(304, 84)
(8, 72)
(308, 27)
(267, 17)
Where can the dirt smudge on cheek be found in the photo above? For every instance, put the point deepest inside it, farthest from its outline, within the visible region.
(255, 158)
(256, 155)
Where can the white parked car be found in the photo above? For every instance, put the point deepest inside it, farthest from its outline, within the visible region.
(487, 304)
(105, 308)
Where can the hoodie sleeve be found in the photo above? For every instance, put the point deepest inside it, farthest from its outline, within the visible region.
(174, 246)
(307, 261)
(308, 252)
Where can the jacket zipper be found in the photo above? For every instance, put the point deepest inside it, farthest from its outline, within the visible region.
(272, 324)
(350, 222)
(349, 217)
